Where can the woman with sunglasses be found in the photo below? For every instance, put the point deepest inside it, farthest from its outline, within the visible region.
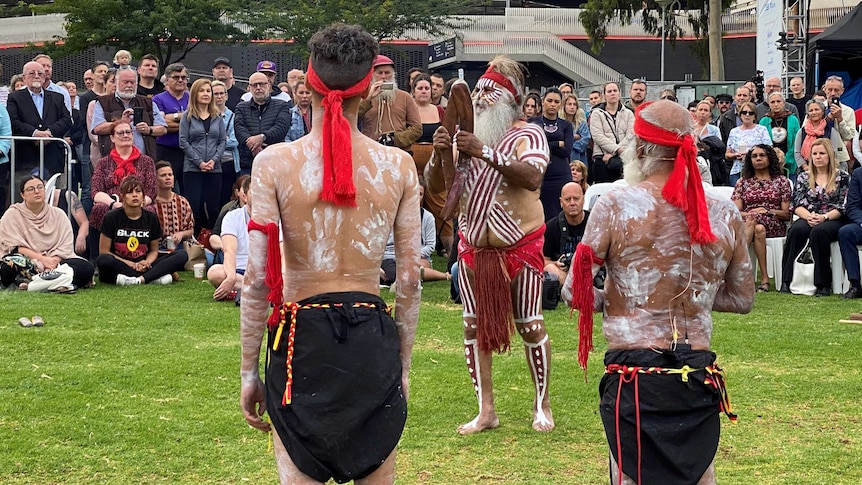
(743, 137)
(762, 196)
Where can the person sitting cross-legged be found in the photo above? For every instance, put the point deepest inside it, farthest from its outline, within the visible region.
(129, 243)
(174, 211)
(227, 277)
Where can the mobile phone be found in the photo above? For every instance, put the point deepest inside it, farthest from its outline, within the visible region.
(137, 114)
(836, 100)
(387, 86)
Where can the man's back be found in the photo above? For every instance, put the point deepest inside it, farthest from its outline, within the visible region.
(330, 248)
(645, 243)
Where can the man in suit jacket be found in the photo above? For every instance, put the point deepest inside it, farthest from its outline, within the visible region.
(39, 113)
(851, 234)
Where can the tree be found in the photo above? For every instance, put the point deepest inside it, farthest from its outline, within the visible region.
(298, 20)
(597, 14)
(168, 29)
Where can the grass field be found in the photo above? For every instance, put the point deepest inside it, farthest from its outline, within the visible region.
(141, 385)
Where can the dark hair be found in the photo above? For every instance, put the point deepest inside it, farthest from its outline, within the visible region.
(820, 92)
(342, 54)
(552, 90)
(100, 63)
(162, 164)
(129, 184)
(596, 91)
(694, 104)
(149, 57)
(423, 183)
(420, 70)
(27, 179)
(420, 77)
(112, 74)
(242, 182)
(774, 163)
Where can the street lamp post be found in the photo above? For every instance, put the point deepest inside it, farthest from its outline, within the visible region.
(664, 4)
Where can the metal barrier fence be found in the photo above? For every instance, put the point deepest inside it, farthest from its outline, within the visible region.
(42, 141)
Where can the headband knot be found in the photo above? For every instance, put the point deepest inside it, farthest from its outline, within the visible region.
(684, 187)
(503, 81)
(337, 148)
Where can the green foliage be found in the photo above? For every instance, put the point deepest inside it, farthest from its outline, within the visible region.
(298, 20)
(169, 29)
(597, 14)
(141, 385)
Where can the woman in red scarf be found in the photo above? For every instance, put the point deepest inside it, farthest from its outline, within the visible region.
(125, 159)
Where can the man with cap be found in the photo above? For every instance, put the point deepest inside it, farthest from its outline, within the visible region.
(673, 256)
(723, 101)
(388, 114)
(501, 223)
(336, 385)
(222, 71)
(269, 69)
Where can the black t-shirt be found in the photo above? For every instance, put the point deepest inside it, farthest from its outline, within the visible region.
(800, 105)
(234, 96)
(130, 239)
(553, 240)
(157, 88)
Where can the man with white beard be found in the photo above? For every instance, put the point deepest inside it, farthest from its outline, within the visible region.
(121, 106)
(502, 233)
(389, 115)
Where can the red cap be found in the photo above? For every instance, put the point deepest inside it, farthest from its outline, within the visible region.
(382, 61)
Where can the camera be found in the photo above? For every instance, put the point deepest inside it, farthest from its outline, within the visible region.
(387, 86)
(387, 139)
(566, 259)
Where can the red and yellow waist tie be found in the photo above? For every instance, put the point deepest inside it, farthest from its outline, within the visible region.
(289, 310)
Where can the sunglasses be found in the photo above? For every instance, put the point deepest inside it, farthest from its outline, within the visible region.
(724, 101)
(747, 113)
(671, 98)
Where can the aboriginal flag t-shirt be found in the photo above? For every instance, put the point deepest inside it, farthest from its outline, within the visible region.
(130, 239)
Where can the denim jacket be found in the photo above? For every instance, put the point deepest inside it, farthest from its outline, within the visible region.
(232, 144)
(297, 125)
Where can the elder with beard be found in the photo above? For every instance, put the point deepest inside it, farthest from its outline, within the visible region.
(389, 116)
(501, 226)
(673, 256)
(560, 134)
(119, 106)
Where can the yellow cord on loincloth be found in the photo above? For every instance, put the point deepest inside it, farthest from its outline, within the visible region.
(291, 334)
(714, 378)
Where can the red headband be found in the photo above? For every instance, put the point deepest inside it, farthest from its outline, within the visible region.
(337, 149)
(502, 81)
(682, 190)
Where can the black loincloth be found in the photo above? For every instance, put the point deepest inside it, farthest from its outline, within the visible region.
(679, 421)
(347, 409)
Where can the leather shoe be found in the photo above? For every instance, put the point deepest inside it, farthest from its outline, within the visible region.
(853, 293)
(825, 291)
(785, 288)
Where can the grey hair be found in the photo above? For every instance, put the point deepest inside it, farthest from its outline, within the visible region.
(834, 78)
(654, 158)
(775, 93)
(818, 103)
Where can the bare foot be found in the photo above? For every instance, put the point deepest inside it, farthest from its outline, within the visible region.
(543, 420)
(479, 423)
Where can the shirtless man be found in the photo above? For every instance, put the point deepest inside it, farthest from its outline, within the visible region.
(336, 386)
(501, 226)
(667, 270)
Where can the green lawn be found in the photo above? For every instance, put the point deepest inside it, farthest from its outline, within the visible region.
(141, 385)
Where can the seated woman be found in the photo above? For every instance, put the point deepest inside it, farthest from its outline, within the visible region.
(129, 243)
(238, 199)
(125, 159)
(762, 196)
(818, 200)
(40, 233)
(227, 277)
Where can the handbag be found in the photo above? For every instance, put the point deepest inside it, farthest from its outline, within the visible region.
(196, 254)
(53, 280)
(803, 273)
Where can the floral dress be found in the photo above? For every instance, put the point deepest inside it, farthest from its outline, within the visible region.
(768, 194)
(817, 200)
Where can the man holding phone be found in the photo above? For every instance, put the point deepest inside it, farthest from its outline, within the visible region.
(126, 105)
(389, 115)
(843, 115)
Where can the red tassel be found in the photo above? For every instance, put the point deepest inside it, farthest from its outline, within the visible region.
(273, 267)
(583, 300)
(494, 321)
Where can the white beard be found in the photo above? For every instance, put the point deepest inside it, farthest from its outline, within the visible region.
(388, 95)
(492, 122)
(632, 165)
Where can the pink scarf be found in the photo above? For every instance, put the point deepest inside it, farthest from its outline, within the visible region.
(47, 232)
(812, 133)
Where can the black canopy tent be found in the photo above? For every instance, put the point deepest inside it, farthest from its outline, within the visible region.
(837, 49)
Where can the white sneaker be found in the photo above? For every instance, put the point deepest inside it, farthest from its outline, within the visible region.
(123, 280)
(164, 280)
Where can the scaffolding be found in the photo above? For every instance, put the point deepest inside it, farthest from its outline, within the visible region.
(794, 40)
